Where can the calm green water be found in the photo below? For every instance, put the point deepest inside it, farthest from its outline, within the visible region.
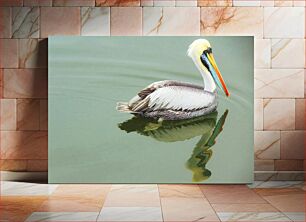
(90, 142)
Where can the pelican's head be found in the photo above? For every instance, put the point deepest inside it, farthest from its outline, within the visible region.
(201, 53)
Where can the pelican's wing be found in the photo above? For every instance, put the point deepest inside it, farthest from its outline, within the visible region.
(172, 95)
(157, 85)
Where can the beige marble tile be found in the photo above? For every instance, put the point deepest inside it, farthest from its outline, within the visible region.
(267, 145)
(296, 216)
(33, 53)
(25, 83)
(51, 17)
(126, 21)
(27, 114)
(183, 191)
(187, 209)
(186, 3)
(289, 165)
(279, 114)
(71, 204)
(95, 21)
(253, 216)
(37, 165)
(171, 21)
(125, 3)
(280, 3)
(300, 114)
(8, 53)
(258, 114)
(220, 3)
(25, 22)
(279, 83)
(266, 3)
(299, 3)
(292, 144)
(13, 165)
(146, 2)
(262, 53)
(129, 214)
(26, 189)
(264, 165)
(133, 196)
(5, 22)
(263, 207)
(284, 49)
(248, 3)
(24, 145)
(163, 3)
(8, 114)
(63, 216)
(93, 191)
(230, 194)
(43, 114)
(232, 21)
(285, 199)
(73, 2)
(37, 2)
(276, 18)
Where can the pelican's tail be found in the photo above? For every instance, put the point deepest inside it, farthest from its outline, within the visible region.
(123, 107)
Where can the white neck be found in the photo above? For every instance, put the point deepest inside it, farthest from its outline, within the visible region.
(209, 83)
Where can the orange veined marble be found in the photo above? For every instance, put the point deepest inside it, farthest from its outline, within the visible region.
(51, 17)
(43, 114)
(279, 114)
(293, 145)
(19, 208)
(8, 114)
(117, 2)
(5, 22)
(73, 2)
(28, 114)
(8, 53)
(25, 83)
(208, 3)
(232, 21)
(22, 144)
(121, 26)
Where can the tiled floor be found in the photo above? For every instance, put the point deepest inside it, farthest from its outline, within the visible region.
(261, 201)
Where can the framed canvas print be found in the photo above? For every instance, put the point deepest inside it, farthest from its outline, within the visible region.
(151, 109)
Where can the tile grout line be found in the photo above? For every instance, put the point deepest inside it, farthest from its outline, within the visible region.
(278, 210)
(104, 202)
(160, 203)
(209, 201)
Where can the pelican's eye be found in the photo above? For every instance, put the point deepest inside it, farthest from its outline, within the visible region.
(207, 51)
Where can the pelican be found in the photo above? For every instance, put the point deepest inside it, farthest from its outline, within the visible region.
(175, 100)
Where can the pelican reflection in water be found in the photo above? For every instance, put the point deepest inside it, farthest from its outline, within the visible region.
(175, 100)
(205, 126)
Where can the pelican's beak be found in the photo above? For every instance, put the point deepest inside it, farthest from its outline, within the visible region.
(214, 70)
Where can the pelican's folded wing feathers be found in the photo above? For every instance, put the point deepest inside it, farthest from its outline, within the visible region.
(171, 95)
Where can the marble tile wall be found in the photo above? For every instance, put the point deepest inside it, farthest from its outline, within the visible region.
(278, 27)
